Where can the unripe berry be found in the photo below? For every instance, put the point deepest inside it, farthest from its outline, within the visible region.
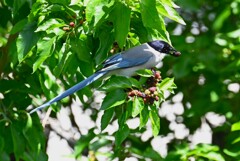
(147, 92)
(66, 28)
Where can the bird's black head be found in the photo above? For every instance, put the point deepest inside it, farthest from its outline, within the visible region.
(164, 47)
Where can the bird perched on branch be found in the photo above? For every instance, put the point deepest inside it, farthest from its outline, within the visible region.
(125, 63)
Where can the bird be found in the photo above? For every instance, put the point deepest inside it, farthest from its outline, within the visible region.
(125, 63)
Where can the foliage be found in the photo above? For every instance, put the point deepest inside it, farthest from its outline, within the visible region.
(48, 46)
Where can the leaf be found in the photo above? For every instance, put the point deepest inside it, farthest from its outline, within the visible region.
(121, 23)
(155, 120)
(113, 98)
(167, 84)
(106, 118)
(169, 12)
(83, 142)
(63, 2)
(97, 9)
(45, 49)
(144, 116)
(150, 17)
(106, 39)
(18, 140)
(19, 26)
(121, 135)
(169, 3)
(236, 126)
(50, 25)
(117, 82)
(138, 105)
(26, 40)
(80, 47)
(145, 73)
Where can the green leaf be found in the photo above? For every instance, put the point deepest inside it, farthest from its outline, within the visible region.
(81, 48)
(83, 142)
(121, 21)
(106, 39)
(169, 3)
(145, 73)
(106, 118)
(26, 41)
(167, 84)
(144, 116)
(121, 135)
(169, 12)
(97, 9)
(19, 26)
(150, 17)
(236, 126)
(155, 120)
(50, 25)
(63, 2)
(113, 98)
(18, 140)
(138, 105)
(45, 49)
(117, 82)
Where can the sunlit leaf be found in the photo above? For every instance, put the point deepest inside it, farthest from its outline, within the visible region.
(26, 41)
(155, 120)
(138, 106)
(45, 49)
(121, 23)
(113, 98)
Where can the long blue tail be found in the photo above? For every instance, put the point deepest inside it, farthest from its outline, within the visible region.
(71, 90)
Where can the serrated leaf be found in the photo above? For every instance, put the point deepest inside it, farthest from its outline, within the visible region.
(145, 73)
(113, 98)
(45, 49)
(169, 12)
(150, 17)
(138, 105)
(167, 84)
(155, 120)
(26, 40)
(144, 116)
(121, 23)
(121, 135)
(106, 118)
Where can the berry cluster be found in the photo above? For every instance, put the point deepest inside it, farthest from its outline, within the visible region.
(149, 92)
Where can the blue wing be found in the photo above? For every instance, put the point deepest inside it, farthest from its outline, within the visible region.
(130, 58)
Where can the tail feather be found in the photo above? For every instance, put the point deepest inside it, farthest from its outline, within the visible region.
(71, 90)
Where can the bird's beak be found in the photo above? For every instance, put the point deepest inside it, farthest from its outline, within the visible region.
(175, 53)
